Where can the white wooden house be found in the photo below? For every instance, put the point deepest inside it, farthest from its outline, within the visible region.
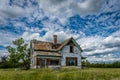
(53, 54)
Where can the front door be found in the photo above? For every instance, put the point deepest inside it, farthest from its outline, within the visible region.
(43, 63)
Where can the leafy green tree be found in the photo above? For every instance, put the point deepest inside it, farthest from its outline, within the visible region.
(13, 57)
(19, 54)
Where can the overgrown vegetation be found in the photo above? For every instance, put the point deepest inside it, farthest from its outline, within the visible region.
(19, 56)
(62, 74)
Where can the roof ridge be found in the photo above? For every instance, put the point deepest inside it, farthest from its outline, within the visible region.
(41, 41)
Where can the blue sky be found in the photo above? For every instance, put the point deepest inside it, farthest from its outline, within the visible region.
(95, 24)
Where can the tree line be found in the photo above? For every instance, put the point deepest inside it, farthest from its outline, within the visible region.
(115, 64)
(19, 55)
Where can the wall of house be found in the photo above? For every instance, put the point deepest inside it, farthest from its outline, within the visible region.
(66, 53)
(33, 60)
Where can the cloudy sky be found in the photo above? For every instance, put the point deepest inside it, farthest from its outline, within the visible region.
(95, 24)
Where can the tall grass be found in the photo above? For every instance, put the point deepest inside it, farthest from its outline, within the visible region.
(62, 74)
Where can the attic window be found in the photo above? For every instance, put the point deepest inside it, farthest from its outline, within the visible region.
(71, 49)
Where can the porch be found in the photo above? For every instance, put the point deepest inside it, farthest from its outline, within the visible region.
(48, 61)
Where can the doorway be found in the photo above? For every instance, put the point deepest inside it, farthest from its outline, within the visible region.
(43, 63)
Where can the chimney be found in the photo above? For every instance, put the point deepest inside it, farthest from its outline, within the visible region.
(55, 39)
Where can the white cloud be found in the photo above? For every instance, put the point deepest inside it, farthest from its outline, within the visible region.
(101, 45)
(66, 8)
(88, 6)
(62, 35)
(60, 9)
(13, 11)
(112, 42)
(102, 51)
(7, 37)
(29, 36)
(104, 58)
(69, 6)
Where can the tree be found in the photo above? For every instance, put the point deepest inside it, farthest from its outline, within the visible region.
(4, 62)
(19, 54)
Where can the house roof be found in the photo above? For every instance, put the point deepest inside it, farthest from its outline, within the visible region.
(40, 45)
(49, 46)
(45, 46)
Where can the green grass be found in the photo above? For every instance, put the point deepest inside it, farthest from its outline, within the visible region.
(62, 74)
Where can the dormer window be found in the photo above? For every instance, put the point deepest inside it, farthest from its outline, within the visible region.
(71, 48)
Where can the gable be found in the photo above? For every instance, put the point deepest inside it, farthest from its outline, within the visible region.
(71, 41)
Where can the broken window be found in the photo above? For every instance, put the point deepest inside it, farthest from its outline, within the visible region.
(71, 49)
(54, 62)
(71, 61)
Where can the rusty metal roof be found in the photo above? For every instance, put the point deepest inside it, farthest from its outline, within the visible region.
(41, 45)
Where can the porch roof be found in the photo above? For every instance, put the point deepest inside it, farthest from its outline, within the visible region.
(42, 53)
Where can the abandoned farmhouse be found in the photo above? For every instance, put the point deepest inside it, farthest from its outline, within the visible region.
(54, 54)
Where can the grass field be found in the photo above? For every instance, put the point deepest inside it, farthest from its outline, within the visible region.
(62, 74)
